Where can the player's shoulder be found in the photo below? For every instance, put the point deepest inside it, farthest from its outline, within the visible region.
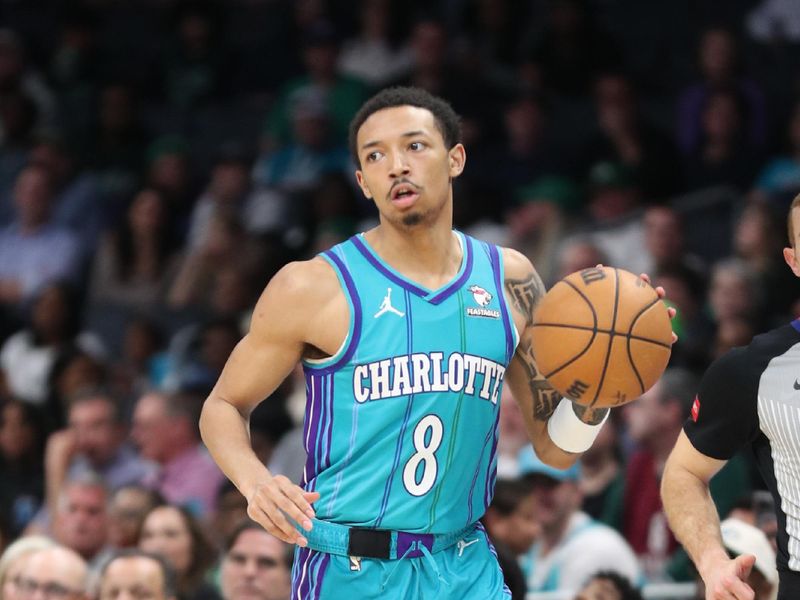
(515, 264)
(300, 283)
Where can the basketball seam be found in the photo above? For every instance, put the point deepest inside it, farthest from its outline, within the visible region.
(591, 340)
(631, 336)
(628, 343)
(610, 339)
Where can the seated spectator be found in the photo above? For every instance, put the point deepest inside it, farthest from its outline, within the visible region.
(165, 431)
(734, 291)
(607, 585)
(74, 371)
(134, 263)
(720, 67)
(93, 442)
(578, 253)
(602, 474)
(34, 250)
(572, 546)
(665, 241)
(231, 510)
(136, 574)
(128, 507)
(256, 564)
(13, 561)
(779, 180)
(176, 535)
(28, 356)
(55, 571)
(21, 463)
(80, 520)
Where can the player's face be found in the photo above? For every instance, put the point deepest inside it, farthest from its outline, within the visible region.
(791, 254)
(405, 167)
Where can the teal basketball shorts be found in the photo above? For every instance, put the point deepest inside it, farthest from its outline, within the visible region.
(419, 568)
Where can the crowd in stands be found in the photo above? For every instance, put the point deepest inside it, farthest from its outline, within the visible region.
(161, 159)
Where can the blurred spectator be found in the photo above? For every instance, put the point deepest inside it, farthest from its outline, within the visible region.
(607, 585)
(198, 364)
(313, 150)
(723, 154)
(93, 442)
(513, 436)
(602, 476)
(231, 510)
(194, 67)
(757, 245)
(255, 565)
(572, 49)
(17, 120)
(774, 21)
(17, 74)
(511, 524)
(128, 507)
(165, 430)
(115, 146)
(141, 361)
(76, 204)
(73, 372)
(13, 561)
(135, 263)
(665, 241)
(80, 521)
(172, 532)
(136, 574)
(578, 253)
(34, 250)
(779, 180)
(168, 171)
(374, 56)
(339, 96)
(654, 422)
(21, 463)
(224, 246)
(28, 356)
(720, 67)
(54, 572)
(734, 291)
(572, 546)
(624, 136)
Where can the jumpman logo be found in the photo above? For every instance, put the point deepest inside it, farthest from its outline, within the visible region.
(386, 306)
(463, 544)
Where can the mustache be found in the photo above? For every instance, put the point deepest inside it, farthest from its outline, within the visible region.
(402, 181)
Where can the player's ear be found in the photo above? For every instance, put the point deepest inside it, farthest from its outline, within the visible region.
(790, 257)
(363, 184)
(457, 157)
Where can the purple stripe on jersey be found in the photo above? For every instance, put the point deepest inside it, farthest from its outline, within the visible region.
(491, 473)
(357, 317)
(323, 417)
(406, 540)
(300, 572)
(475, 477)
(318, 580)
(453, 287)
(311, 427)
(796, 324)
(494, 256)
(327, 457)
(404, 283)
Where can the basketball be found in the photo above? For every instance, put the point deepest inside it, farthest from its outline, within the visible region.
(602, 336)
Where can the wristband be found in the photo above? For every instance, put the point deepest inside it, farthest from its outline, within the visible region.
(568, 432)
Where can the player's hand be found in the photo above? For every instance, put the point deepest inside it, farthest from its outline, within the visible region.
(727, 579)
(275, 501)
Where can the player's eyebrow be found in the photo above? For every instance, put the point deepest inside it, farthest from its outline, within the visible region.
(407, 134)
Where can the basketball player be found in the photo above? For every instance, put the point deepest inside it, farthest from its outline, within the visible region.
(748, 397)
(406, 334)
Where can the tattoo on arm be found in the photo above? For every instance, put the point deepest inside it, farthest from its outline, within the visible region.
(545, 398)
(590, 416)
(525, 294)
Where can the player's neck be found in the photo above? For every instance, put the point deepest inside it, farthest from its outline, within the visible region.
(430, 255)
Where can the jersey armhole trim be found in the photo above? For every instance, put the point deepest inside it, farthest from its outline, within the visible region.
(345, 352)
(512, 335)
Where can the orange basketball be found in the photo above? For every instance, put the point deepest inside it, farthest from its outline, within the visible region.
(602, 336)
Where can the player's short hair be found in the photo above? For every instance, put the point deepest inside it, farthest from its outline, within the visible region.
(789, 226)
(447, 120)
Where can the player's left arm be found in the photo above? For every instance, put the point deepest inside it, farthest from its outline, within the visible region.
(537, 399)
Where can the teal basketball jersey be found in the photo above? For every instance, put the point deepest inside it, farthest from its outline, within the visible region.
(401, 423)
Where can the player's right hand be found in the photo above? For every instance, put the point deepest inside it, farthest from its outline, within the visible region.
(275, 499)
(727, 581)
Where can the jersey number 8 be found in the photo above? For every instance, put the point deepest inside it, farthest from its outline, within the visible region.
(424, 454)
